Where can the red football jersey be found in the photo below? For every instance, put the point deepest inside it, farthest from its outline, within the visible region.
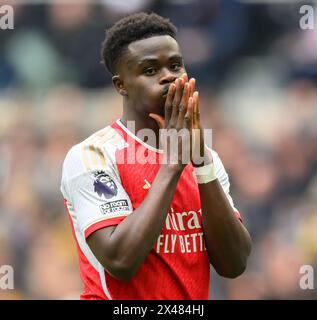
(103, 182)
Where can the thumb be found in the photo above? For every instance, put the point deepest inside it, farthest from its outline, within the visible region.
(159, 119)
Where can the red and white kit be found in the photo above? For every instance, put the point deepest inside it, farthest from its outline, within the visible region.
(102, 185)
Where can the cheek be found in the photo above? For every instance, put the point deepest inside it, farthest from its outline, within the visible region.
(146, 92)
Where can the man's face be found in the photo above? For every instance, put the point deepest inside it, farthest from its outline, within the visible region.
(147, 70)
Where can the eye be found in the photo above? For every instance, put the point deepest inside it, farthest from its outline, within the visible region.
(176, 66)
(150, 71)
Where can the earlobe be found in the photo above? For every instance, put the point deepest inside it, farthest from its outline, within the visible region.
(123, 91)
(118, 83)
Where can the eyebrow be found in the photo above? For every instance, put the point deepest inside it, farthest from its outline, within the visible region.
(151, 59)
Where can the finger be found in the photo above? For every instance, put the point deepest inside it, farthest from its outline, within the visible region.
(189, 114)
(192, 85)
(177, 99)
(160, 120)
(183, 107)
(196, 111)
(169, 101)
(185, 77)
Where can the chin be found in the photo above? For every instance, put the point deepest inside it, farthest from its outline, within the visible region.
(162, 113)
(160, 110)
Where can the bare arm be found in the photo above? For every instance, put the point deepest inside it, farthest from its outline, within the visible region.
(227, 240)
(121, 249)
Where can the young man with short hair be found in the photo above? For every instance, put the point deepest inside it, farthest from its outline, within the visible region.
(151, 229)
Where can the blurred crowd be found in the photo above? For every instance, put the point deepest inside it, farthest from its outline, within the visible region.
(256, 71)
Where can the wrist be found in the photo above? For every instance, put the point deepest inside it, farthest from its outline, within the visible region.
(205, 174)
(203, 159)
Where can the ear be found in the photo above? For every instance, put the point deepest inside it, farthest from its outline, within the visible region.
(118, 83)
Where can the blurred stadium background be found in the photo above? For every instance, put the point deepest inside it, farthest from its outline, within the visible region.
(257, 74)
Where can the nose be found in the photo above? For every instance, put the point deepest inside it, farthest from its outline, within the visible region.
(167, 76)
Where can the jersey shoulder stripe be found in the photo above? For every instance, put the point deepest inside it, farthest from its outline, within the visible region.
(94, 153)
(93, 148)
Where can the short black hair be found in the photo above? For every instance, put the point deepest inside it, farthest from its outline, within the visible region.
(131, 28)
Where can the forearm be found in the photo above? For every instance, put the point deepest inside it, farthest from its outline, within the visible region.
(135, 236)
(227, 241)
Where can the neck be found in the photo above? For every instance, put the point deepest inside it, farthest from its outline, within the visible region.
(141, 120)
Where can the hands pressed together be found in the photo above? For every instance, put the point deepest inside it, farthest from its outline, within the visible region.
(181, 132)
